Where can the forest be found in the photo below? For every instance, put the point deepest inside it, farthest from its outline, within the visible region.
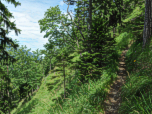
(76, 77)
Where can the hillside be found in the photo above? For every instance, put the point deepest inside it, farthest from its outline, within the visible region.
(101, 73)
(89, 98)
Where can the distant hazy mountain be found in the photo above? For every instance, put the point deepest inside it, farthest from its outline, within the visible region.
(29, 53)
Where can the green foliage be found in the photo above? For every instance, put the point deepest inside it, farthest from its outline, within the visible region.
(5, 58)
(5, 13)
(83, 66)
(5, 102)
(26, 69)
(101, 44)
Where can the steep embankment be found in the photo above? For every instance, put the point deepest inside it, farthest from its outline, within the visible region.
(87, 98)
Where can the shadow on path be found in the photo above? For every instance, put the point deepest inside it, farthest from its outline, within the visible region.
(113, 100)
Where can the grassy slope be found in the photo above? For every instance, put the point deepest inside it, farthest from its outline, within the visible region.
(89, 96)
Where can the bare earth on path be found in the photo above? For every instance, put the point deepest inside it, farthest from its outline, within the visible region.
(113, 100)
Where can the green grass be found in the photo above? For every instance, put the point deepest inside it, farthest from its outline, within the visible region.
(89, 98)
(136, 93)
(86, 98)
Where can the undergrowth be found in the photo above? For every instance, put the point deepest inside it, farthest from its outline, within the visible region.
(88, 98)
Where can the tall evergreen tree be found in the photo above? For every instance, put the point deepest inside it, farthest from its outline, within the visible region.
(25, 74)
(4, 20)
(5, 15)
(93, 39)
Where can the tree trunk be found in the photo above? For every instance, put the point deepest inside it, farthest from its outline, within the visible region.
(50, 67)
(90, 14)
(147, 32)
(64, 78)
(37, 87)
(114, 32)
(9, 102)
(90, 22)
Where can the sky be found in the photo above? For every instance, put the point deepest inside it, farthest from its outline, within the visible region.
(26, 18)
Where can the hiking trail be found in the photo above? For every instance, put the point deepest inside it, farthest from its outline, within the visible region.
(113, 100)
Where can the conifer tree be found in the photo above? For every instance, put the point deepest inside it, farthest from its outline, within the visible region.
(4, 19)
(99, 48)
(5, 102)
(4, 57)
(61, 39)
(27, 71)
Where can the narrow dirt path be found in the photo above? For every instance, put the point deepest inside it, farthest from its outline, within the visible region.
(113, 100)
